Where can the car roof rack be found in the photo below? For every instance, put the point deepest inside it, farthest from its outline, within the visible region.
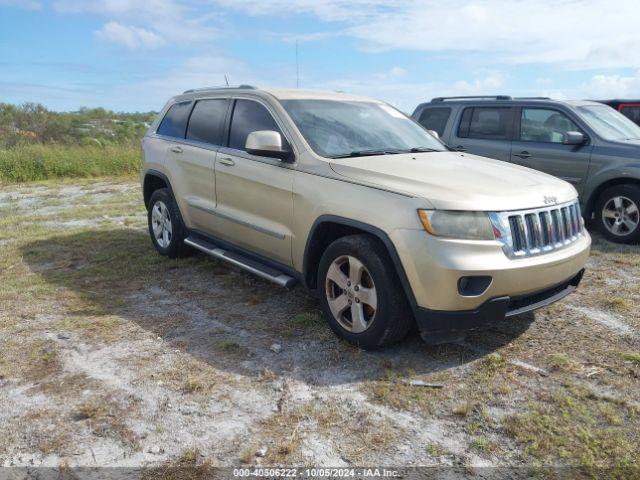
(220, 87)
(472, 97)
(533, 98)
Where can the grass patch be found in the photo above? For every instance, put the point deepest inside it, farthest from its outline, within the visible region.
(105, 418)
(28, 359)
(462, 409)
(559, 361)
(633, 357)
(307, 319)
(229, 346)
(575, 427)
(24, 163)
(618, 304)
(391, 391)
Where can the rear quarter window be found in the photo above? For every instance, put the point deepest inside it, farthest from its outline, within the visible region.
(435, 119)
(174, 123)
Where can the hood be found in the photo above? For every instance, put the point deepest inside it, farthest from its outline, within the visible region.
(629, 142)
(457, 181)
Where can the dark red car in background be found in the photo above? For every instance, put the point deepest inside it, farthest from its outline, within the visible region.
(629, 108)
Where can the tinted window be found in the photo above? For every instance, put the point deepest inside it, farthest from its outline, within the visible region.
(249, 116)
(174, 122)
(632, 113)
(205, 124)
(486, 122)
(435, 119)
(541, 125)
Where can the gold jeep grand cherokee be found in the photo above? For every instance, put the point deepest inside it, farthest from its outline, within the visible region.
(351, 198)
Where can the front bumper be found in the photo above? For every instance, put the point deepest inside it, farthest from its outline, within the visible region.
(432, 323)
(434, 268)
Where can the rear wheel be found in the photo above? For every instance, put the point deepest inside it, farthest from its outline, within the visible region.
(165, 224)
(618, 213)
(360, 293)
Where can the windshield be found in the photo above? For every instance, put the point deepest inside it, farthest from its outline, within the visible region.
(348, 129)
(608, 123)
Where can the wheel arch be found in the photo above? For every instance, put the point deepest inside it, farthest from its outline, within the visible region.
(154, 180)
(595, 194)
(328, 228)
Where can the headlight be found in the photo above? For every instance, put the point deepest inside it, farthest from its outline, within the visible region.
(454, 224)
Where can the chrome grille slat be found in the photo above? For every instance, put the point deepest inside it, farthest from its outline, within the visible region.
(540, 230)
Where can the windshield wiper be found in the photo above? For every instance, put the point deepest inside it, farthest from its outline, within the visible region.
(423, 149)
(365, 153)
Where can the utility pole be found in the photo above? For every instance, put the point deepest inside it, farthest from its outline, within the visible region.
(226, 80)
(297, 67)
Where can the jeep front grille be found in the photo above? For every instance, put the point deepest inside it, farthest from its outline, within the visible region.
(533, 232)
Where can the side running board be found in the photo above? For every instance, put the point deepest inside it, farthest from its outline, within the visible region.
(248, 264)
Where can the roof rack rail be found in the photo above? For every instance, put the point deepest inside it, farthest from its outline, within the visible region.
(219, 87)
(472, 97)
(533, 98)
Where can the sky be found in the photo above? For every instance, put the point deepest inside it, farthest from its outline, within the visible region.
(130, 55)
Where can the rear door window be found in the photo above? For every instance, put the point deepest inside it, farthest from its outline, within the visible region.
(174, 123)
(249, 116)
(632, 113)
(544, 125)
(492, 123)
(207, 121)
(435, 119)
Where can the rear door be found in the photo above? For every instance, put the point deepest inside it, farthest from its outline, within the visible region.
(485, 131)
(254, 193)
(538, 145)
(196, 161)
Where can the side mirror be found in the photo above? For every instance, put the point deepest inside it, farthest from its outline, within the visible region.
(434, 133)
(266, 143)
(573, 138)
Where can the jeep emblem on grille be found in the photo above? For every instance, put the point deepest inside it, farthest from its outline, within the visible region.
(549, 200)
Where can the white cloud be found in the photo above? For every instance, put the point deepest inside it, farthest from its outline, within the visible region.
(131, 37)
(572, 33)
(612, 86)
(392, 74)
(407, 95)
(175, 21)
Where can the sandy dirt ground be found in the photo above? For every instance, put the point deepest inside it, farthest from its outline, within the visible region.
(111, 355)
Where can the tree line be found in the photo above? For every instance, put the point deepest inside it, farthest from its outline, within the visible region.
(32, 123)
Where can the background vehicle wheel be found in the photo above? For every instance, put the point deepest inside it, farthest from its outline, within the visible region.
(165, 224)
(360, 293)
(618, 213)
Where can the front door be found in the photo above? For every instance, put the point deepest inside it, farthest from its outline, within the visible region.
(538, 145)
(254, 194)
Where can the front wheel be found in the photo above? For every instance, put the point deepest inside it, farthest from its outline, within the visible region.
(360, 293)
(618, 213)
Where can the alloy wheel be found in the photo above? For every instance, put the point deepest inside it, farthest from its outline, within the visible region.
(351, 294)
(620, 216)
(161, 224)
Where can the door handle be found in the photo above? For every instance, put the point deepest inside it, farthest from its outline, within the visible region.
(460, 148)
(227, 161)
(176, 149)
(524, 154)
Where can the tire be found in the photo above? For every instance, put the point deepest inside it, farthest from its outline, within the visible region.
(618, 213)
(170, 242)
(370, 280)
